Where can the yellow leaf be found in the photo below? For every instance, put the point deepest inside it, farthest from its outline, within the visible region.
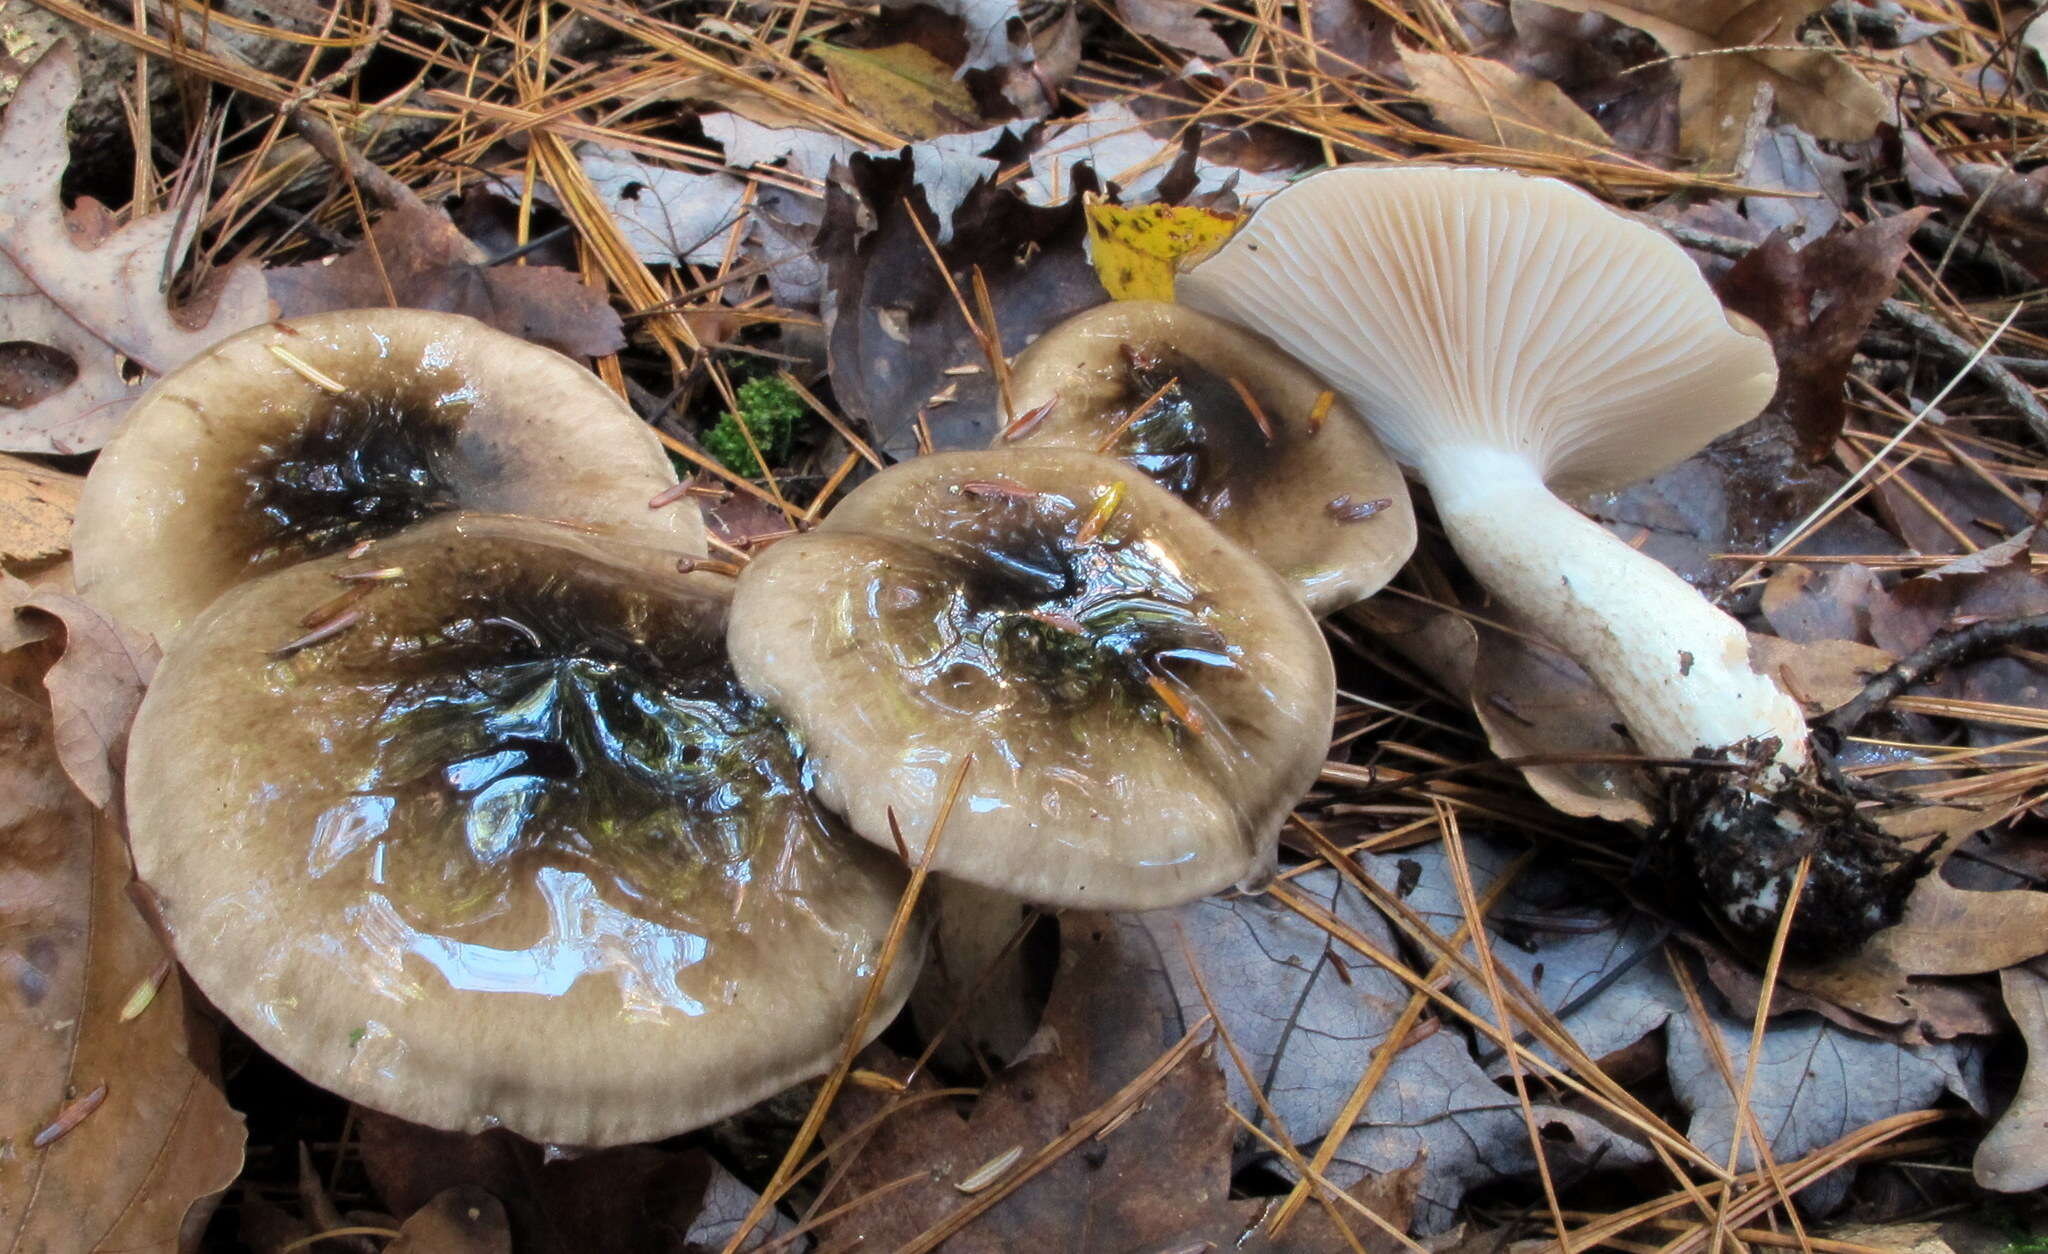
(1137, 248)
(904, 88)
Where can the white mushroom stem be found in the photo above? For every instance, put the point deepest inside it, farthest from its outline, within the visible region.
(1676, 668)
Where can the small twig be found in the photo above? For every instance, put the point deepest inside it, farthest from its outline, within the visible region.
(373, 179)
(1951, 648)
(2009, 386)
(358, 56)
(1953, 243)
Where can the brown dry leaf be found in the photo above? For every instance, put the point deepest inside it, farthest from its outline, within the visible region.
(457, 1221)
(1816, 302)
(1886, 980)
(36, 505)
(114, 1127)
(1157, 1179)
(432, 265)
(1497, 104)
(102, 306)
(1954, 931)
(1177, 23)
(901, 87)
(93, 688)
(894, 329)
(1530, 699)
(2013, 1157)
(1818, 91)
(1821, 675)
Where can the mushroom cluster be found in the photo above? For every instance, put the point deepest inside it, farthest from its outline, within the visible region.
(540, 831)
(460, 814)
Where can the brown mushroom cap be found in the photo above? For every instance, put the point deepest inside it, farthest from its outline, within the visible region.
(1143, 700)
(506, 844)
(1301, 482)
(245, 459)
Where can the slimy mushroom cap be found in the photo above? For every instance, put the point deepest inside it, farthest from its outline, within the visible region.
(484, 831)
(1142, 699)
(299, 439)
(1282, 466)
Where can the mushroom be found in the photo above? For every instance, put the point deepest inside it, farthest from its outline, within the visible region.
(1143, 701)
(298, 439)
(1236, 428)
(482, 830)
(1512, 340)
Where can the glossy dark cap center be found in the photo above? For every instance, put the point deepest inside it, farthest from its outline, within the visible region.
(1199, 437)
(1064, 597)
(537, 714)
(359, 467)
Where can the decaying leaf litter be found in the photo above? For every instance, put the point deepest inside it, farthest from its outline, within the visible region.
(708, 197)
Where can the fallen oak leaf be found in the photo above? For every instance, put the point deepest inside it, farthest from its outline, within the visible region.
(901, 87)
(1309, 1016)
(894, 328)
(1531, 700)
(1148, 1135)
(95, 686)
(1154, 1174)
(1176, 23)
(1814, 1081)
(1497, 104)
(429, 264)
(1723, 70)
(115, 1125)
(1815, 303)
(103, 306)
(1954, 931)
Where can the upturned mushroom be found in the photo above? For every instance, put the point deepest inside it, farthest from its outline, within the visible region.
(1234, 427)
(1143, 701)
(483, 831)
(298, 439)
(1512, 339)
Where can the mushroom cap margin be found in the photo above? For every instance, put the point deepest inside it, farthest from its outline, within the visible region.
(1283, 511)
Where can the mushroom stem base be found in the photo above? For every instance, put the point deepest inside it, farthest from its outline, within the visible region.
(1733, 841)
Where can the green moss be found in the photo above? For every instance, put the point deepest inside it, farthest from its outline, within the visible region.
(773, 412)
